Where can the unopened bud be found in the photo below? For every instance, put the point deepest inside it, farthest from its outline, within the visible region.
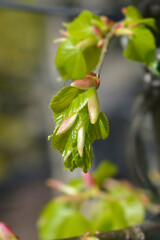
(6, 233)
(97, 31)
(61, 187)
(120, 25)
(67, 155)
(124, 10)
(80, 141)
(64, 32)
(100, 43)
(93, 108)
(66, 124)
(83, 84)
(123, 31)
(88, 179)
(95, 78)
(57, 40)
(86, 83)
(106, 20)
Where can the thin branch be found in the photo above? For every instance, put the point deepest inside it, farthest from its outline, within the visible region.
(107, 39)
(138, 232)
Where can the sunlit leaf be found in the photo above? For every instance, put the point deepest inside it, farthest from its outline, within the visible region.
(141, 46)
(76, 117)
(70, 61)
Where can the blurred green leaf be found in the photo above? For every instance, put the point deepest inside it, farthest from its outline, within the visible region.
(53, 215)
(133, 210)
(109, 215)
(75, 225)
(129, 199)
(139, 49)
(133, 16)
(81, 27)
(132, 13)
(104, 170)
(60, 220)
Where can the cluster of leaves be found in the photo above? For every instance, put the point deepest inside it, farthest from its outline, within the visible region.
(89, 209)
(141, 46)
(78, 54)
(76, 110)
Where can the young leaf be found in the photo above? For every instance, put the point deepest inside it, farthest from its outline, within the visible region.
(133, 16)
(75, 130)
(139, 49)
(70, 61)
(132, 13)
(74, 61)
(91, 55)
(59, 215)
(81, 27)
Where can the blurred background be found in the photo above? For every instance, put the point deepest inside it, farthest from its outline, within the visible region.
(27, 84)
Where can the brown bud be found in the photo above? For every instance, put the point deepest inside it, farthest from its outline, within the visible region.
(93, 108)
(66, 124)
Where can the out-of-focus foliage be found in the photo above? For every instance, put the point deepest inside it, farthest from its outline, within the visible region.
(21, 40)
(21, 52)
(89, 209)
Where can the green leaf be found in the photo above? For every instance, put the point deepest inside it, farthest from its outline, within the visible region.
(141, 46)
(77, 152)
(109, 215)
(133, 210)
(100, 129)
(104, 170)
(51, 219)
(81, 27)
(75, 225)
(133, 16)
(130, 201)
(70, 61)
(91, 55)
(150, 22)
(63, 99)
(57, 216)
(132, 13)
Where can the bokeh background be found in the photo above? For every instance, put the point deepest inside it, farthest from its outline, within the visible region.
(27, 84)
